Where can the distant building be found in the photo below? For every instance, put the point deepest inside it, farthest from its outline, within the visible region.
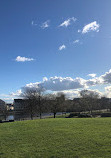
(20, 108)
(2, 106)
(20, 104)
(10, 107)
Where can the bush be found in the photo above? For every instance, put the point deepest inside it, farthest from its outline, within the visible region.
(11, 120)
(0, 121)
(72, 115)
(84, 116)
(106, 114)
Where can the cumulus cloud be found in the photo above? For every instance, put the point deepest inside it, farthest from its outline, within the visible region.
(69, 85)
(76, 41)
(59, 84)
(103, 79)
(45, 79)
(106, 77)
(93, 26)
(108, 91)
(67, 22)
(45, 24)
(71, 94)
(17, 93)
(95, 81)
(92, 75)
(62, 47)
(89, 92)
(23, 59)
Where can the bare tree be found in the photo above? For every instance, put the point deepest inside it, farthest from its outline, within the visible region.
(89, 100)
(34, 97)
(56, 102)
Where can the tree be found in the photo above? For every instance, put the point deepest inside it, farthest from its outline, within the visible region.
(34, 97)
(56, 102)
(110, 106)
(105, 103)
(89, 99)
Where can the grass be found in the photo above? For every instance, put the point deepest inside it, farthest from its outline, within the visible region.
(56, 138)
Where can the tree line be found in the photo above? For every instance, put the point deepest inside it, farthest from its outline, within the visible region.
(37, 101)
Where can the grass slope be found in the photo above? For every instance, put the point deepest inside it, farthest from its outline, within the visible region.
(56, 138)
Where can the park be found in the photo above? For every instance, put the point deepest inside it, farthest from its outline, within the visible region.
(56, 138)
(55, 79)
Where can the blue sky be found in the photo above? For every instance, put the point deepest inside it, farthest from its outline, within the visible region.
(40, 38)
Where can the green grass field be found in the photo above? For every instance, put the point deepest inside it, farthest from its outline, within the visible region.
(56, 138)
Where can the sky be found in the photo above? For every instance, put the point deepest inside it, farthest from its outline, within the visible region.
(63, 45)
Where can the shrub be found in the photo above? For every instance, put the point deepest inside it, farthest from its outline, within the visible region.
(11, 120)
(106, 114)
(73, 114)
(79, 115)
(84, 115)
(0, 121)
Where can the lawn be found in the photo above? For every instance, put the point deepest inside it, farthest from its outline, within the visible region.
(56, 138)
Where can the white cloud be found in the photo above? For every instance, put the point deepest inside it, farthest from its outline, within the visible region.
(67, 22)
(33, 23)
(7, 98)
(70, 86)
(108, 88)
(106, 77)
(71, 94)
(4, 95)
(78, 31)
(93, 26)
(76, 41)
(45, 24)
(103, 79)
(59, 84)
(45, 79)
(90, 92)
(17, 93)
(23, 59)
(95, 81)
(92, 75)
(108, 91)
(62, 47)
(10, 97)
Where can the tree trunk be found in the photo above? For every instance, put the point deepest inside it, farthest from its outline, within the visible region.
(40, 106)
(5, 117)
(31, 116)
(110, 107)
(31, 112)
(54, 114)
(40, 115)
